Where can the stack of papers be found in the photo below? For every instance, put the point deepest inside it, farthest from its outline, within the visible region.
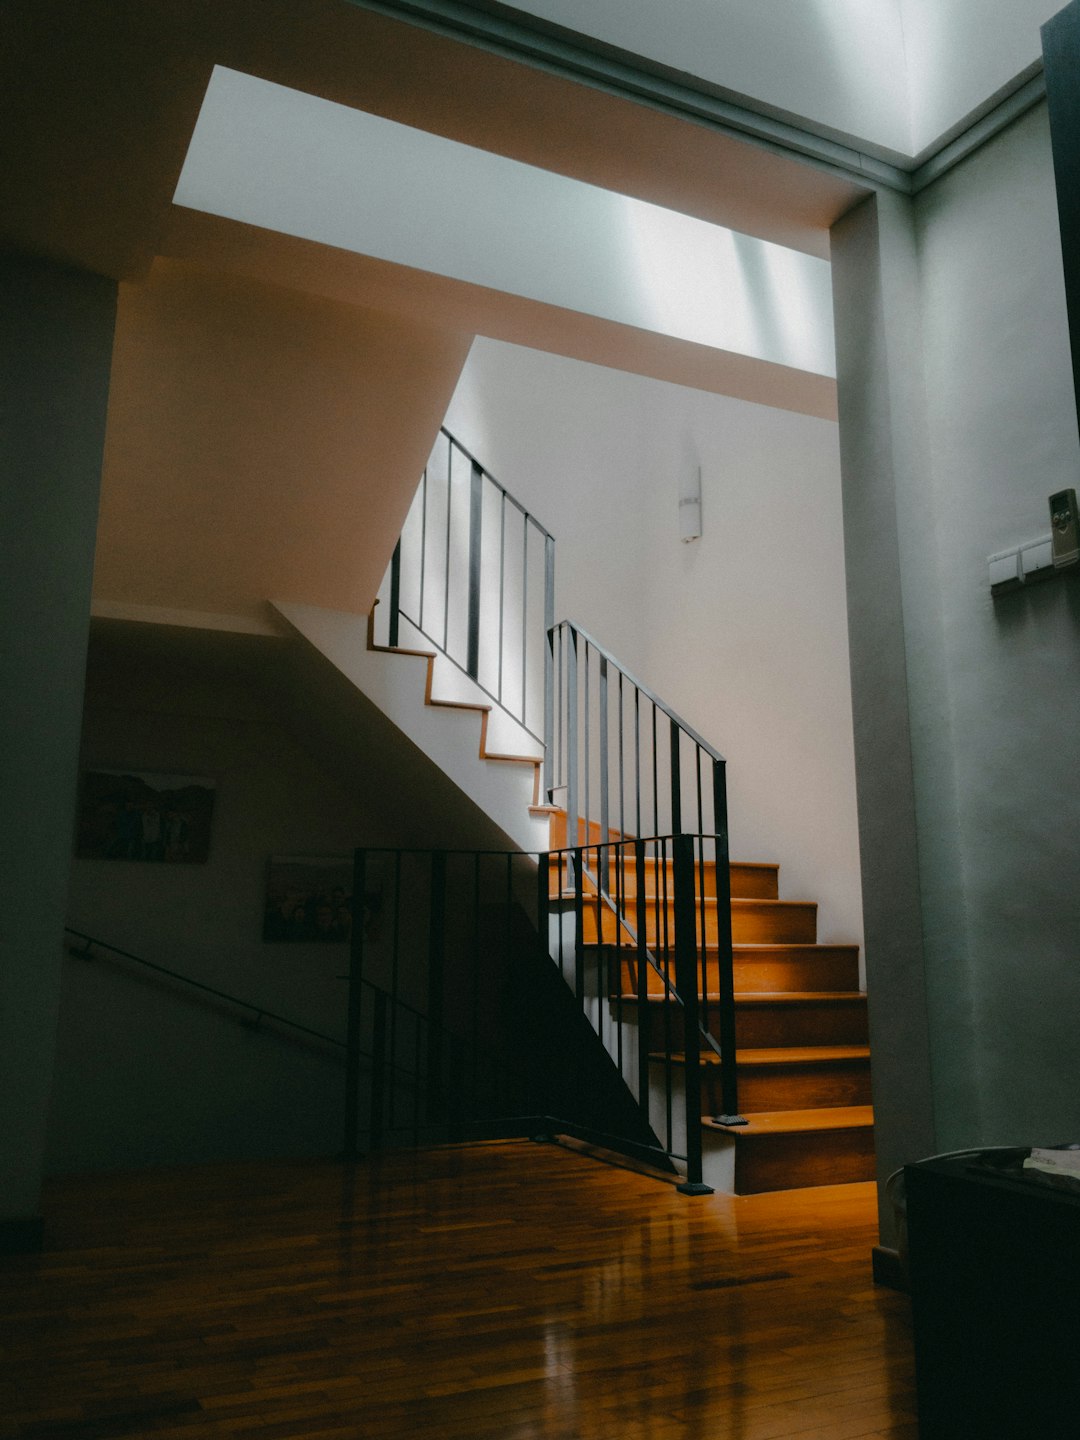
(1055, 1162)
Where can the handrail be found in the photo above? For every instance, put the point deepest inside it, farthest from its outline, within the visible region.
(650, 695)
(260, 1012)
(521, 509)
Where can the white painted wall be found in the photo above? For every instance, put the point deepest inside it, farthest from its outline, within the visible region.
(838, 63)
(743, 632)
(293, 163)
(1003, 435)
(962, 52)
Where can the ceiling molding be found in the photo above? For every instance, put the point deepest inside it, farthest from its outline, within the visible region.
(513, 35)
(579, 58)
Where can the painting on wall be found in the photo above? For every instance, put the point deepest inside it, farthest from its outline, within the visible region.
(308, 898)
(137, 815)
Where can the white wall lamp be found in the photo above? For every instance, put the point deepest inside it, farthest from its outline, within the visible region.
(690, 507)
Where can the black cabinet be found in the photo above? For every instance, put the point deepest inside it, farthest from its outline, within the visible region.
(994, 1257)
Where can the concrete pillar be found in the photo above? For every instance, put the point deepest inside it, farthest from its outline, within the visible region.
(881, 454)
(55, 354)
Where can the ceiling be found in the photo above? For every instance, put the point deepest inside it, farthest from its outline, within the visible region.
(98, 102)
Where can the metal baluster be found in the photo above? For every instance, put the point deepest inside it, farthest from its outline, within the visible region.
(662, 942)
(729, 1081)
(655, 785)
(395, 594)
(697, 780)
(436, 981)
(378, 1071)
(524, 610)
(676, 780)
(686, 980)
(355, 1007)
(622, 776)
(446, 558)
(586, 737)
(637, 760)
(549, 661)
(502, 590)
(571, 741)
(418, 1021)
(476, 515)
(643, 1009)
(394, 974)
(423, 540)
(604, 855)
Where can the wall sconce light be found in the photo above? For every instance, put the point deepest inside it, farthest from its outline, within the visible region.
(690, 507)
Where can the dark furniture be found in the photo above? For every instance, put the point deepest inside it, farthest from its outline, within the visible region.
(995, 1286)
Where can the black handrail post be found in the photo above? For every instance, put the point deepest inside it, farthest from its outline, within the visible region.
(378, 1070)
(571, 743)
(549, 664)
(643, 1011)
(543, 900)
(603, 853)
(436, 978)
(395, 595)
(682, 847)
(476, 513)
(352, 1031)
(676, 781)
(725, 964)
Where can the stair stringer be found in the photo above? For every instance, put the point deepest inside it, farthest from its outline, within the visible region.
(451, 735)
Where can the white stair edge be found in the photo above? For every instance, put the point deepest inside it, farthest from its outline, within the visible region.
(449, 738)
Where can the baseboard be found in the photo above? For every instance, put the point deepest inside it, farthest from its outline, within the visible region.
(889, 1269)
(22, 1235)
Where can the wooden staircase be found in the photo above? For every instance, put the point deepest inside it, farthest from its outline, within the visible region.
(801, 1026)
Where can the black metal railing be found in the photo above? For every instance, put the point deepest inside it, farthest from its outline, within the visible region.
(626, 1049)
(622, 764)
(473, 573)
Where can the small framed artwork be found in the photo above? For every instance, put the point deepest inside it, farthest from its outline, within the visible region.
(141, 815)
(308, 898)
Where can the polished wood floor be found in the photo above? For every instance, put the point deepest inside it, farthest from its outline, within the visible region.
(511, 1291)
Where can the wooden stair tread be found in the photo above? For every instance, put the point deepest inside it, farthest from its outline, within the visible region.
(783, 1055)
(513, 759)
(801, 1054)
(460, 705)
(794, 1122)
(402, 650)
(769, 997)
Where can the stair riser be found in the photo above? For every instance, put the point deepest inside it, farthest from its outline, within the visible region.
(764, 1026)
(823, 969)
(748, 882)
(752, 923)
(789, 1162)
(800, 1086)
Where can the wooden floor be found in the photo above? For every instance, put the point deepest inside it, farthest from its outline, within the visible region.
(508, 1290)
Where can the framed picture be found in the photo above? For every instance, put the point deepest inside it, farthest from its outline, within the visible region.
(308, 898)
(143, 816)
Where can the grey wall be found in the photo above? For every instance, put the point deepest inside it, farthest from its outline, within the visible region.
(1003, 436)
(145, 1073)
(55, 349)
(957, 421)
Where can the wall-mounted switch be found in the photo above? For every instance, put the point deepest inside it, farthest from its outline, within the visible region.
(1005, 572)
(1064, 530)
(1037, 560)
